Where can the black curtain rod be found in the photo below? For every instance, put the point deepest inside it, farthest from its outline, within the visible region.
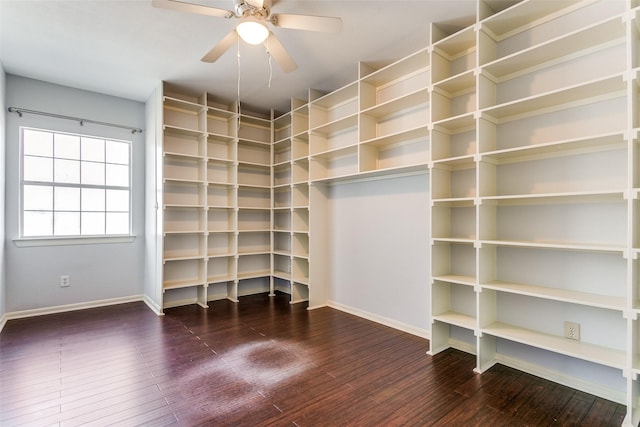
(21, 111)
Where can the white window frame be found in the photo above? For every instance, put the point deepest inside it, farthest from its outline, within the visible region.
(52, 240)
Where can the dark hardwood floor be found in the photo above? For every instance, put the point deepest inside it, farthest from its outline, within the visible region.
(260, 362)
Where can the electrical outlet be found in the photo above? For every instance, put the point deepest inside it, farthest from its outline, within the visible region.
(572, 330)
(64, 281)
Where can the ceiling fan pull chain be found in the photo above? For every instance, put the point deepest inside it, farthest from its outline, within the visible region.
(270, 66)
(238, 93)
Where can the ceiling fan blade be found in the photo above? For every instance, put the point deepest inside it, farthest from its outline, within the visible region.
(191, 8)
(279, 53)
(326, 24)
(218, 50)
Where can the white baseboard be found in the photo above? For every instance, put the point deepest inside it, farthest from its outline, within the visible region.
(404, 327)
(72, 307)
(3, 321)
(152, 305)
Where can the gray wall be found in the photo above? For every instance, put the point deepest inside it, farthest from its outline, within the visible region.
(97, 271)
(379, 251)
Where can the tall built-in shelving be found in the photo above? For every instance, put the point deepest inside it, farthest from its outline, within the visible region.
(254, 199)
(216, 198)
(528, 122)
(222, 239)
(533, 192)
(291, 201)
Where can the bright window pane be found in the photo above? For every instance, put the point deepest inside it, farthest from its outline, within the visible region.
(37, 223)
(38, 169)
(117, 152)
(37, 143)
(117, 223)
(92, 223)
(118, 200)
(92, 193)
(67, 199)
(67, 171)
(37, 198)
(67, 146)
(92, 173)
(66, 223)
(117, 175)
(92, 149)
(93, 199)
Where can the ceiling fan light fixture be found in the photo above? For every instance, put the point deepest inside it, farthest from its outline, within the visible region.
(252, 30)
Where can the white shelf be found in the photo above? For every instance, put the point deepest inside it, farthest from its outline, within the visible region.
(222, 137)
(454, 200)
(177, 232)
(176, 284)
(395, 105)
(456, 319)
(456, 278)
(182, 156)
(182, 258)
(183, 206)
(184, 181)
(282, 275)
(456, 163)
(402, 67)
(221, 279)
(541, 198)
(523, 15)
(336, 152)
(602, 33)
(605, 88)
(578, 349)
(564, 295)
(222, 113)
(453, 240)
(398, 137)
(183, 104)
(459, 83)
(254, 274)
(457, 43)
(459, 123)
(335, 126)
(557, 246)
(609, 141)
(178, 130)
(337, 97)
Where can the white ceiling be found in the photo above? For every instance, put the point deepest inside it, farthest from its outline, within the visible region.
(126, 48)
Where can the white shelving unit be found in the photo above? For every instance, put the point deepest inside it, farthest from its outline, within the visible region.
(290, 229)
(254, 203)
(528, 122)
(377, 125)
(216, 199)
(533, 185)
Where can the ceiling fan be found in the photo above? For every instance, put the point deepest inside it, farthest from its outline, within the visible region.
(253, 16)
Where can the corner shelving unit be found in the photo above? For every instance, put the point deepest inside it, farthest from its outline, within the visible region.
(254, 202)
(216, 198)
(534, 211)
(290, 230)
(528, 122)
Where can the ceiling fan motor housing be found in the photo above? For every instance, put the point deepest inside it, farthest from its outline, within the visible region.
(243, 8)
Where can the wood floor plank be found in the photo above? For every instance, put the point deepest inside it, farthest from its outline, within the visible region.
(260, 362)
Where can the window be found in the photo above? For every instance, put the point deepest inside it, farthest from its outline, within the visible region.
(74, 185)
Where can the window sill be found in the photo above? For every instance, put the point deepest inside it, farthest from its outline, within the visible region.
(67, 241)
